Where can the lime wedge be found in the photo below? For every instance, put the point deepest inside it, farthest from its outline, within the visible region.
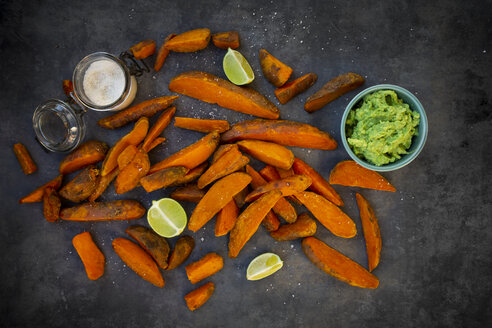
(167, 217)
(263, 265)
(237, 68)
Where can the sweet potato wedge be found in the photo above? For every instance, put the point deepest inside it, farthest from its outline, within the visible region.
(102, 183)
(152, 243)
(285, 173)
(332, 90)
(67, 86)
(338, 265)
(25, 160)
(330, 215)
(138, 260)
(143, 49)
(349, 173)
(201, 125)
(131, 174)
(214, 90)
(126, 156)
(319, 184)
(37, 194)
(163, 178)
(273, 69)
(216, 198)
(51, 205)
(249, 220)
(104, 211)
(226, 40)
(291, 89)
(221, 150)
(226, 218)
(283, 208)
(271, 222)
(205, 267)
(199, 296)
(188, 193)
(191, 156)
(228, 163)
(88, 153)
(159, 126)
(240, 197)
(146, 108)
(82, 186)
(91, 256)
(287, 133)
(182, 250)
(305, 226)
(191, 176)
(268, 152)
(372, 235)
(288, 186)
(156, 142)
(133, 138)
(162, 53)
(189, 41)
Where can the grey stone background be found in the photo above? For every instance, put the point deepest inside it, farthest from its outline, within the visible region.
(436, 266)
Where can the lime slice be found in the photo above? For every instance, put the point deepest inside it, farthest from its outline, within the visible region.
(167, 217)
(263, 265)
(237, 68)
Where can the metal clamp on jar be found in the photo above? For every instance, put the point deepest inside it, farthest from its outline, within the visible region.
(101, 82)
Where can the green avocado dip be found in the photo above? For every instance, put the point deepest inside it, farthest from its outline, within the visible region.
(380, 130)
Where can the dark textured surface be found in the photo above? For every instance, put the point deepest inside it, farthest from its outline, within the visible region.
(436, 267)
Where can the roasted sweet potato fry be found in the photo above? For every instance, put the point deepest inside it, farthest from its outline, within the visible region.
(330, 215)
(214, 90)
(147, 108)
(372, 235)
(51, 205)
(25, 160)
(273, 69)
(162, 53)
(269, 173)
(201, 125)
(126, 156)
(138, 260)
(216, 198)
(102, 183)
(191, 176)
(226, 218)
(332, 90)
(188, 193)
(249, 220)
(338, 265)
(131, 174)
(221, 150)
(104, 211)
(159, 126)
(199, 296)
(156, 142)
(228, 163)
(67, 87)
(226, 40)
(152, 243)
(182, 250)
(191, 156)
(204, 267)
(319, 184)
(349, 173)
(240, 198)
(37, 194)
(285, 173)
(90, 254)
(133, 138)
(82, 186)
(288, 186)
(305, 226)
(271, 221)
(268, 152)
(287, 133)
(283, 208)
(163, 178)
(189, 41)
(293, 88)
(88, 153)
(143, 49)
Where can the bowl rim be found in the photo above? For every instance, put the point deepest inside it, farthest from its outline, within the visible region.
(404, 160)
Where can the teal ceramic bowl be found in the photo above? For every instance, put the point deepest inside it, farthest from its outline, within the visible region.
(418, 141)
